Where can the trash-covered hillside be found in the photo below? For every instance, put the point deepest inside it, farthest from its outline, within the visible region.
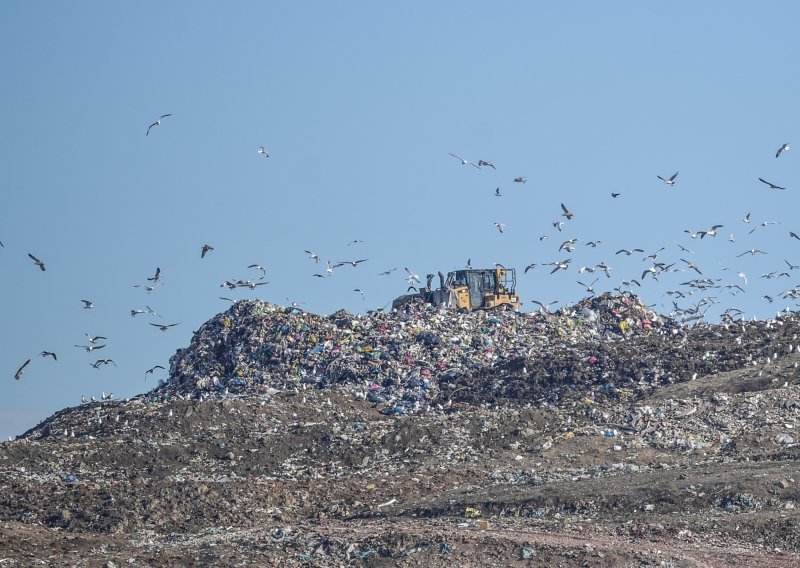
(603, 434)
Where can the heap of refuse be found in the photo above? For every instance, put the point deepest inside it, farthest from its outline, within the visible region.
(421, 357)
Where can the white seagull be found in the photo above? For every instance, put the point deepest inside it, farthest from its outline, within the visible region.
(412, 277)
(157, 123)
(781, 150)
(263, 151)
(670, 180)
(465, 162)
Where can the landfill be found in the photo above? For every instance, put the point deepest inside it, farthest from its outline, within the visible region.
(602, 434)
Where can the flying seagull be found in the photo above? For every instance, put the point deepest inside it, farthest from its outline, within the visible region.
(500, 226)
(259, 267)
(205, 250)
(670, 180)
(465, 162)
(781, 150)
(37, 262)
(521, 179)
(87, 304)
(90, 348)
(49, 354)
(387, 272)
(94, 339)
(752, 252)
(771, 185)
(712, 232)
(412, 277)
(544, 307)
(794, 235)
(147, 288)
(615, 195)
(157, 123)
(312, 256)
(627, 252)
(485, 163)
(164, 326)
(566, 212)
(21, 370)
(99, 362)
(263, 151)
(157, 276)
(152, 369)
(497, 193)
(352, 263)
(763, 224)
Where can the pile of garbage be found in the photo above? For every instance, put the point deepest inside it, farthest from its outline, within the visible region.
(419, 357)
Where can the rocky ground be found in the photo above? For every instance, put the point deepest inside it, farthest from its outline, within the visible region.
(692, 461)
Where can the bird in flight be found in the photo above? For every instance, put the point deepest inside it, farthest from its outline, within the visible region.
(164, 326)
(360, 291)
(263, 151)
(564, 265)
(152, 369)
(355, 242)
(691, 266)
(712, 232)
(146, 287)
(497, 193)
(500, 226)
(770, 184)
(412, 277)
(352, 263)
(205, 250)
(37, 262)
(521, 179)
(157, 276)
(544, 307)
(615, 195)
(157, 123)
(259, 267)
(90, 348)
(312, 256)
(21, 370)
(99, 362)
(87, 304)
(387, 272)
(566, 212)
(94, 339)
(669, 180)
(794, 235)
(762, 224)
(49, 354)
(752, 252)
(781, 150)
(485, 163)
(465, 162)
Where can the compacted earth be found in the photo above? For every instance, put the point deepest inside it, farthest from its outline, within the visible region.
(689, 464)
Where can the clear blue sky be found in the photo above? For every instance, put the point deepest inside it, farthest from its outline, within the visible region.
(359, 105)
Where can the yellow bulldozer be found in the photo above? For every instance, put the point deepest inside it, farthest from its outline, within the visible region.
(469, 289)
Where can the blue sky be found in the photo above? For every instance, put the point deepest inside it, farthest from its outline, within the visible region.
(359, 105)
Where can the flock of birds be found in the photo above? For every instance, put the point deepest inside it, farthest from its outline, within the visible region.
(656, 268)
(702, 284)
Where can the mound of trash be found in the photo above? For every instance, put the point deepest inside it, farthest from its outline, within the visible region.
(255, 345)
